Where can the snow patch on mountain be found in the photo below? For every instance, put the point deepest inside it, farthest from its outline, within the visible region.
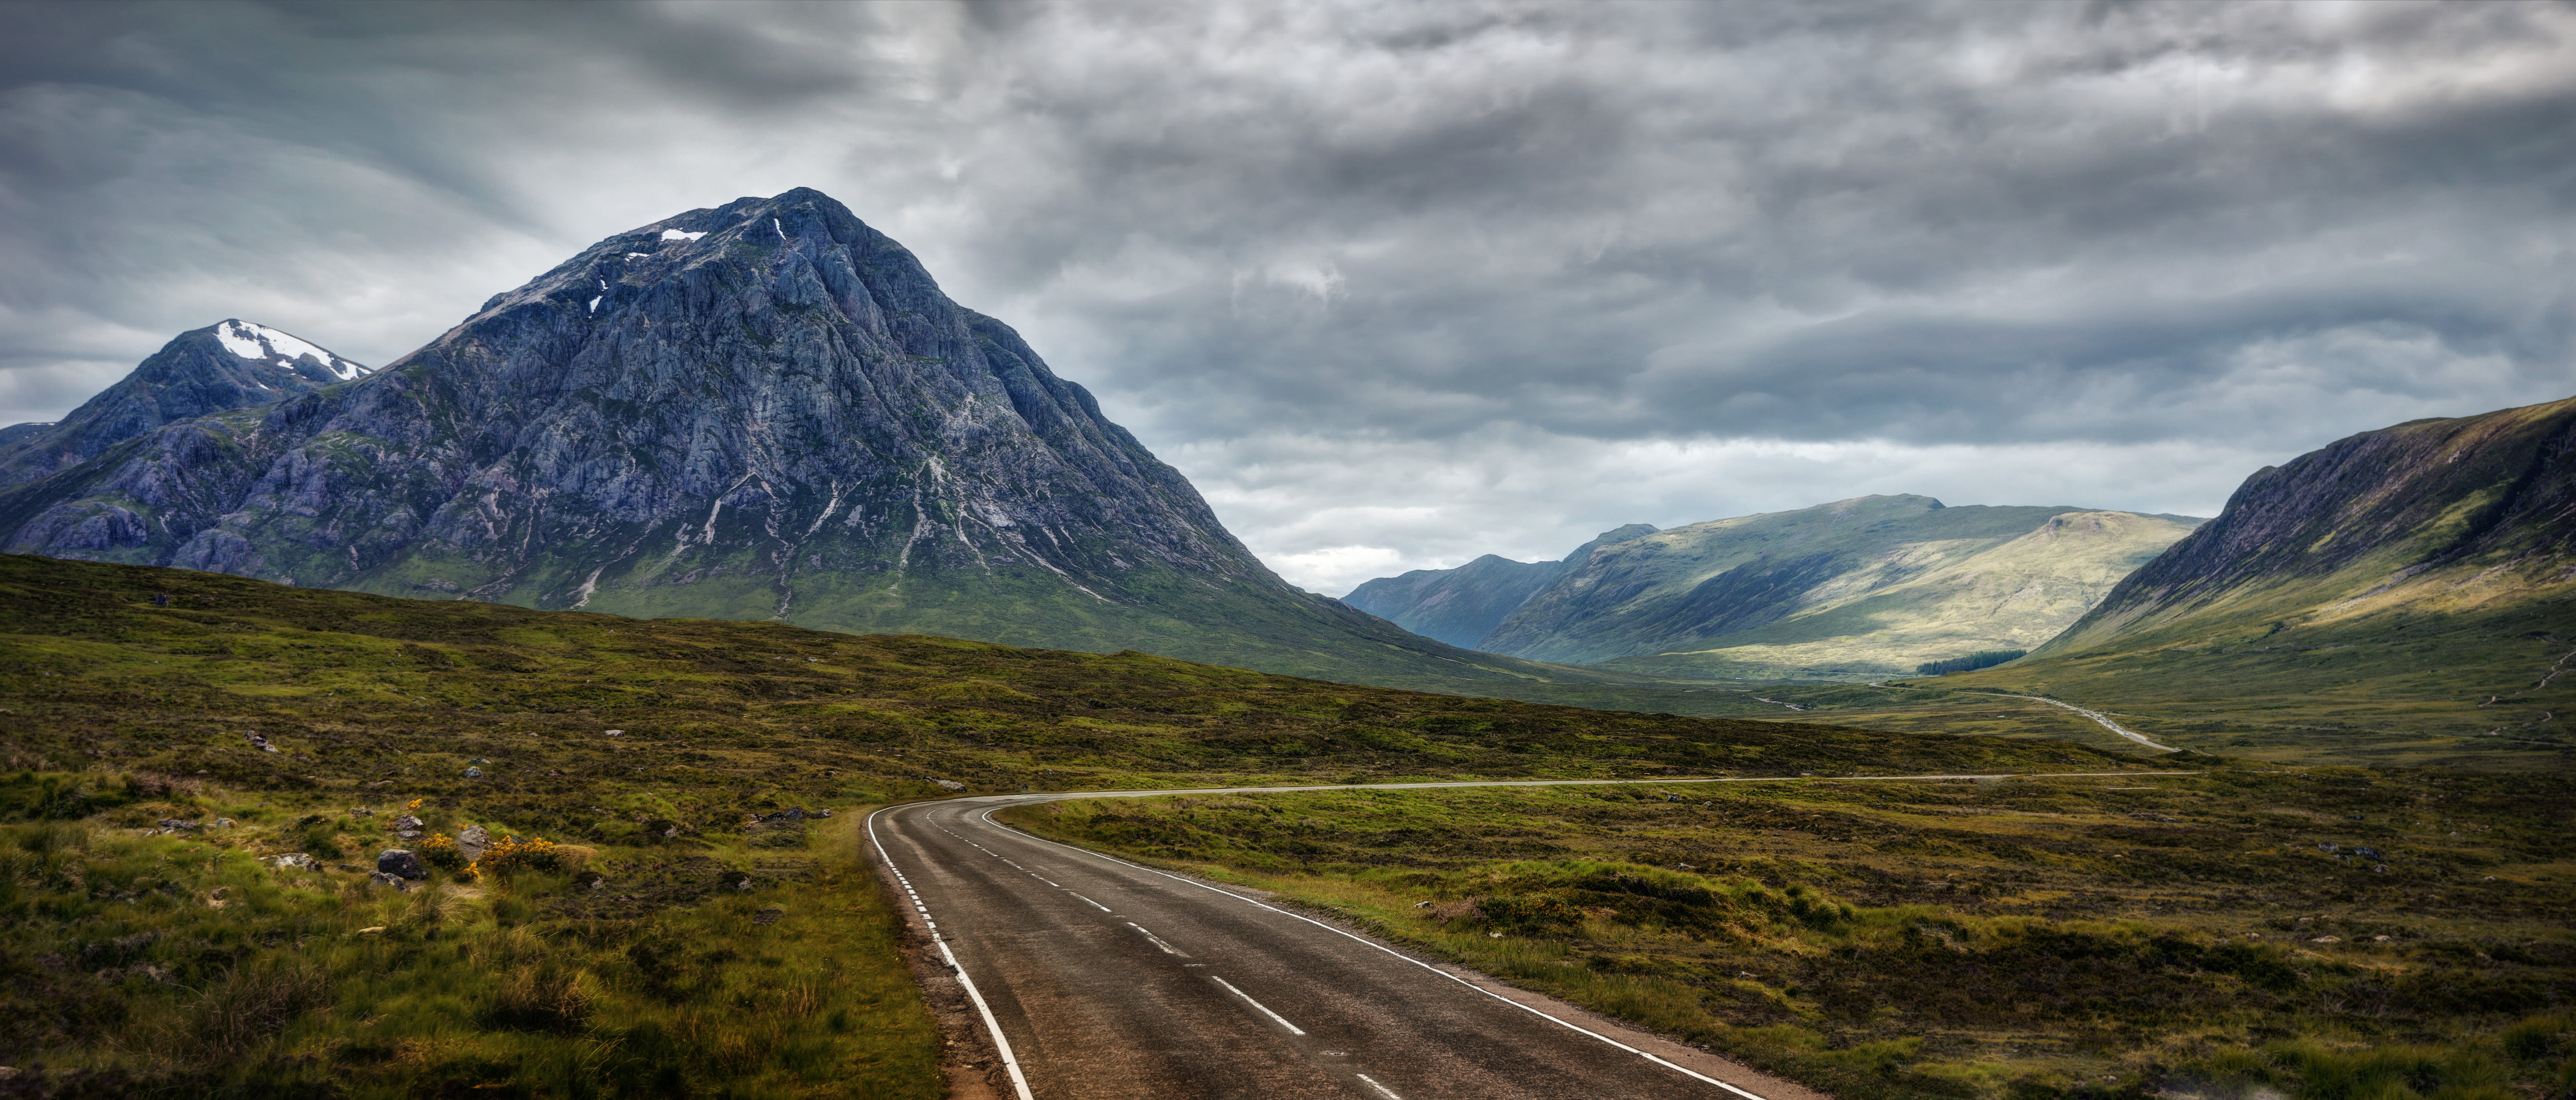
(262, 343)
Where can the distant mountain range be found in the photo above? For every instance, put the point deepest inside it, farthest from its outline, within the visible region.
(1860, 588)
(766, 410)
(1462, 605)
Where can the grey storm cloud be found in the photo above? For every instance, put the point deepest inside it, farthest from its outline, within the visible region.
(1397, 284)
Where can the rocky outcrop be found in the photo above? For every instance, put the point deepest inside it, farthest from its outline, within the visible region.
(1462, 605)
(763, 410)
(218, 368)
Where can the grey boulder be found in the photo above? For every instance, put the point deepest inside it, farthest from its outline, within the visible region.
(401, 863)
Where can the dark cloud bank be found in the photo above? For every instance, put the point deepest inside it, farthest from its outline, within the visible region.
(1399, 284)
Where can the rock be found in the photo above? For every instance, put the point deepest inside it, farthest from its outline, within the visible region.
(362, 812)
(379, 878)
(198, 372)
(296, 860)
(471, 841)
(410, 834)
(371, 931)
(223, 823)
(769, 915)
(406, 821)
(898, 434)
(949, 784)
(617, 733)
(2327, 939)
(792, 813)
(402, 863)
(473, 773)
(174, 824)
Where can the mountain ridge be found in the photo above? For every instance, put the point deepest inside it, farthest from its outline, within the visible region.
(1870, 586)
(761, 410)
(1462, 604)
(228, 365)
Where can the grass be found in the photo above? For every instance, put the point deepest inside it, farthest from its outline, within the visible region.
(2216, 935)
(118, 712)
(180, 965)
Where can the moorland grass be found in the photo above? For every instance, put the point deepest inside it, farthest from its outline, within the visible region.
(120, 710)
(180, 965)
(2026, 939)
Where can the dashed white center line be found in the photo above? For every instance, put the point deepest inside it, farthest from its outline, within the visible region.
(1091, 903)
(1265, 1009)
(1382, 1090)
(1168, 949)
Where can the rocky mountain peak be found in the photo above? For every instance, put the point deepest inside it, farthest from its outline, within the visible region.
(232, 364)
(763, 409)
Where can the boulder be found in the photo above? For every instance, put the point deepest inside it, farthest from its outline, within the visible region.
(294, 860)
(471, 841)
(406, 821)
(379, 878)
(473, 773)
(400, 862)
(175, 824)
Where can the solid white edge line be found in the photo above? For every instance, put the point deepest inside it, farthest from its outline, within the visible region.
(1001, 1042)
(987, 818)
(1382, 1089)
(1004, 1044)
(1265, 1009)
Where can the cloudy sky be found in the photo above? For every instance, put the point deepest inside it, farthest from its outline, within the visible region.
(1400, 284)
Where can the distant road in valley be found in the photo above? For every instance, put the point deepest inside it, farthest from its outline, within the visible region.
(1105, 979)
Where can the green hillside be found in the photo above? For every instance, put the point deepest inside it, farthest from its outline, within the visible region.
(2401, 593)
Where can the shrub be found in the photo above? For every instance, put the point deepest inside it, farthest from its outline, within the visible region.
(441, 852)
(1530, 914)
(512, 855)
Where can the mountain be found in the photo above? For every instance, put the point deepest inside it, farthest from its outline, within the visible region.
(218, 368)
(2421, 577)
(1856, 588)
(1462, 605)
(766, 410)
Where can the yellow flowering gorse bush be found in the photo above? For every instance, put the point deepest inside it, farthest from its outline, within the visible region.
(513, 854)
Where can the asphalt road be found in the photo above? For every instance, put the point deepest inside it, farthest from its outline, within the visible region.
(1102, 979)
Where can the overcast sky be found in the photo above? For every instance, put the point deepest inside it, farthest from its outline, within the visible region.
(1397, 285)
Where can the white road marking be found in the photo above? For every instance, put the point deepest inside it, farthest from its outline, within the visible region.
(1265, 1009)
(1382, 1090)
(1001, 1042)
(1158, 940)
(1091, 903)
(987, 818)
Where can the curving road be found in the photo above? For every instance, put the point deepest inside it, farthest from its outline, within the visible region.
(1099, 978)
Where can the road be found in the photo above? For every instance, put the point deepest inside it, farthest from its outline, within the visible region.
(2095, 715)
(1100, 978)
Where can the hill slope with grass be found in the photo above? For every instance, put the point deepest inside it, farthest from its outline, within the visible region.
(2414, 582)
(766, 410)
(169, 733)
(1860, 588)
